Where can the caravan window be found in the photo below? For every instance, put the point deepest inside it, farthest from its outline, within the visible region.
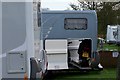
(75, 23)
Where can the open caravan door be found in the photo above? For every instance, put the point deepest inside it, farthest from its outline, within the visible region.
(56, 53)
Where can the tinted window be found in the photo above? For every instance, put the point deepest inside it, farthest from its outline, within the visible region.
(75, 23)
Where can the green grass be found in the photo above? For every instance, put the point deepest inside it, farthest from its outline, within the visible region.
(106, 74)
(110, 47)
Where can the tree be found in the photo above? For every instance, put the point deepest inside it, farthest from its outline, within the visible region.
(85, 5)
(106, 13)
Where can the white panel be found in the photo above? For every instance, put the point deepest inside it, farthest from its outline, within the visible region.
(57, 61)
(16, 62)
(74, 55)
(74, 45)
(56, 54)
(73, 48)
(56, 46)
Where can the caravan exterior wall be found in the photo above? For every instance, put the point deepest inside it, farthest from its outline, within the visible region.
(19, 40)
(54, 25)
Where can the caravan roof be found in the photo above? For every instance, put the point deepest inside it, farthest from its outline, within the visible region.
(69, 11)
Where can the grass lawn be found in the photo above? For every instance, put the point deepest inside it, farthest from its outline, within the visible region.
(110, 47)
(106, 74)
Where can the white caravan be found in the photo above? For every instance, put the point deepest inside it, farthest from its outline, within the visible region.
(113, 34)
(22, 55)
(118, 39)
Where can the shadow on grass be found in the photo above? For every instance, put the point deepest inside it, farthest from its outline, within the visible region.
(106, 74)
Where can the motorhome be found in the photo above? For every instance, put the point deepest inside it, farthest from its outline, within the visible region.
(70, 40)
(113, 34)
(21, 53)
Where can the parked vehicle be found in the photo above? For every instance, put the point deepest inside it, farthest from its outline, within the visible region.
(113, 34)
(70, 40)
(22, 57)
(118, 38)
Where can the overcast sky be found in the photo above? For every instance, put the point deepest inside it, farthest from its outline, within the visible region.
(57, 4)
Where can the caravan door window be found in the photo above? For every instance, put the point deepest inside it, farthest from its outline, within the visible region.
(75, 23)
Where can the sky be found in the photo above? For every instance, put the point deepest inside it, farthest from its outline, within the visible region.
(57, 4)
(61, 4)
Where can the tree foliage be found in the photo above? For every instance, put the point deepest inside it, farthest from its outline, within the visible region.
(108, 13)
